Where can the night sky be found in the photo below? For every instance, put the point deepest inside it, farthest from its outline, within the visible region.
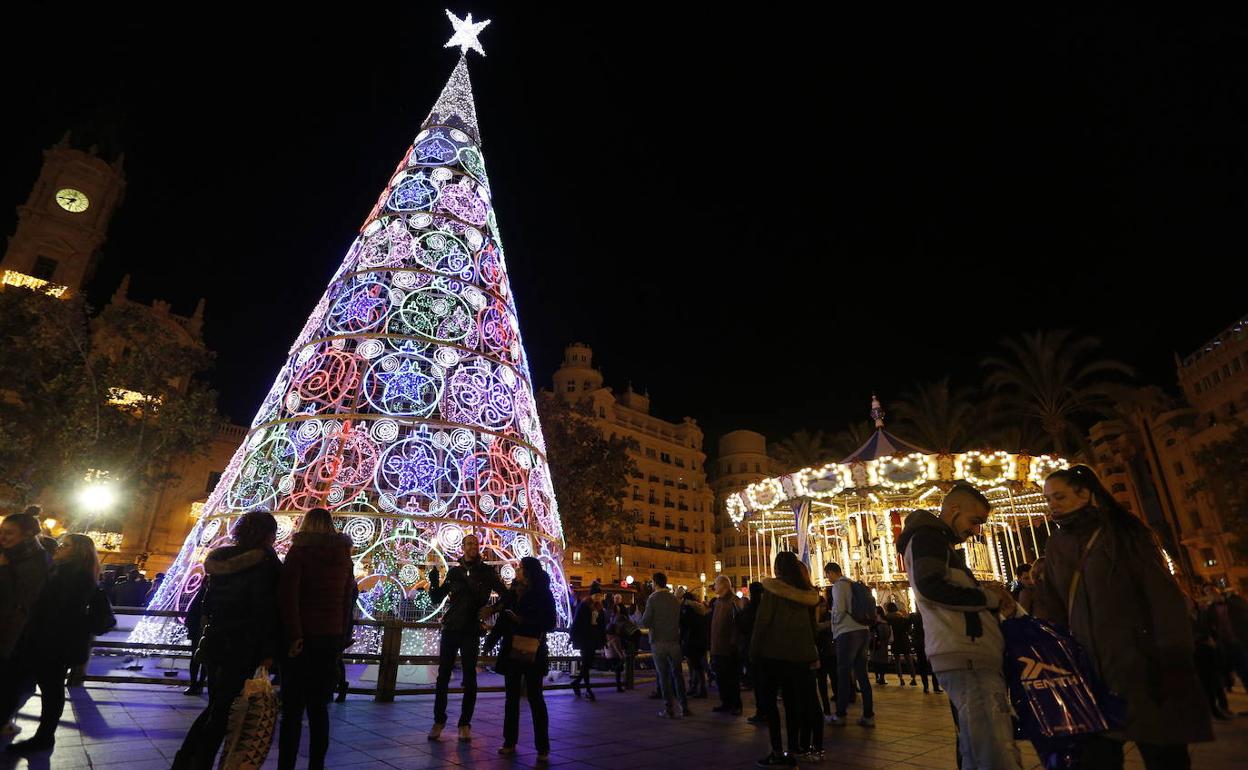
(761, 216)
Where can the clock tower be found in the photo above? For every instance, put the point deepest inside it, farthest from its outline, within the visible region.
(65, 220)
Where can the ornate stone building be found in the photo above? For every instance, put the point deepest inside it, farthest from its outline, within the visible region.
(669, 500)
(742, 459)
(56, 244)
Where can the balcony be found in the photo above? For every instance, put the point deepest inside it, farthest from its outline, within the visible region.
(669, 525)
(654, 522)
(638, 497)
(668, 504)
(668, 483)
(682, 506)
(683, 529)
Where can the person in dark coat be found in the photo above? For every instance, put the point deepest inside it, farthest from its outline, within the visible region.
(782, 649)
(918, 642)
(695, 639)
(745, 629)
(316, 594)
(589, 634)
(24, 567)
(528, 612)
(242, 629)
(194, 629)
(1131, 617)
(57, 637)
(899, 622)
(468, 585)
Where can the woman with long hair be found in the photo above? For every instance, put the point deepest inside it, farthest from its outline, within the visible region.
(242, 629)
(782, 650)
(528, 614)
(1106, 579)
(316, 594)
(57, 636)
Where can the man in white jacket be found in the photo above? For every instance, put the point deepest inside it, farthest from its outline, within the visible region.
(963, 637)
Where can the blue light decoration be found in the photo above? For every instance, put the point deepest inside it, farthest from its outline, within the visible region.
(406, 405)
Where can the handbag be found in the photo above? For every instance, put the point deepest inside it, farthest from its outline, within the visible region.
(249, 732)
(100, 617)
(524, 648)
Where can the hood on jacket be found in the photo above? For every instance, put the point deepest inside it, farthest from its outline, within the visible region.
(232, 559)
(320, 540)
(28, 549)
(918, 520)
(809, 597)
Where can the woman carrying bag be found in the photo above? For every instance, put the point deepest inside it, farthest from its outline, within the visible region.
(528, 614)
(242, 630)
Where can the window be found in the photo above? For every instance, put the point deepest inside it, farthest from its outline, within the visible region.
(757, 468)
(743, 468)
(602, 412)
(1197, 523)
(682, 542)
(667, 541)
(213, 478)
(45, 268)
(665, 457)
(650, 452)
(576, 557)
(571, 387)
(1209, 558)
(680, 462)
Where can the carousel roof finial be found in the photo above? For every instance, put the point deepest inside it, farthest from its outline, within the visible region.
(877, 412)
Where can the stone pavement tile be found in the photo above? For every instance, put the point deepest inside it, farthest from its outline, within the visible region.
(424, 762)
(133, 751)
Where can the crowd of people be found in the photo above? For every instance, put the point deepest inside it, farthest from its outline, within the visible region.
(807, 654)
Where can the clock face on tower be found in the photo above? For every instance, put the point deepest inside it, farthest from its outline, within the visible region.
(72, 200)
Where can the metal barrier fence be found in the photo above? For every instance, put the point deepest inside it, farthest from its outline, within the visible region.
(388, 660)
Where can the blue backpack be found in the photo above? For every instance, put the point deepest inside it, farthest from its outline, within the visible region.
(862, 603)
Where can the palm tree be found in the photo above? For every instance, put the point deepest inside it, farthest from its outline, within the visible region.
(803, 450)
(938, 416)
(1054, 378)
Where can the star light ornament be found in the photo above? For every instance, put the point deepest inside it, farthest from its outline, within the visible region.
(466, 33)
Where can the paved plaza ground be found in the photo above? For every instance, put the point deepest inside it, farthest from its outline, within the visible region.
(139, 727)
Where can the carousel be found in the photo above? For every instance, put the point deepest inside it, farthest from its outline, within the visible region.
(852, 511)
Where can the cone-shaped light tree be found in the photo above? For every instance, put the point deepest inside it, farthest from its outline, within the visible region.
(405, 406)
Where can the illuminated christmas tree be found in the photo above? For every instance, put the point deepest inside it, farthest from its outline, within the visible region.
(406, 405)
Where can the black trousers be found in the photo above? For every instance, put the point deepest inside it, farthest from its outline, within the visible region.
(784, 677)
(811, 732)
(203, 740)
(1101, 752)
(587, 665)
(465, 644)
(19, 684)
(529, 682)
(308, 682)
(728, 674)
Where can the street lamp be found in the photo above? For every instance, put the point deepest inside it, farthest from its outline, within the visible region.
(96, 498)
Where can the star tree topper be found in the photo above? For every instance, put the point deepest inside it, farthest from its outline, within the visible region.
(466, 33)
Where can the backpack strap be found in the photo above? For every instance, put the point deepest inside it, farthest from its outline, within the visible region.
(1074, 580)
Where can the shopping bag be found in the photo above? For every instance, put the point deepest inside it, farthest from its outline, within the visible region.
(1055, 691)
(249, 732)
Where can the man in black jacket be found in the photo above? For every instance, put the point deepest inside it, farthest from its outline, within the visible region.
(469, 586)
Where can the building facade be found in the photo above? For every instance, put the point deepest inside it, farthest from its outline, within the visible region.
(64, 222)
(1149, 458)
(668, 500)
(55, 246)
(742, 460)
